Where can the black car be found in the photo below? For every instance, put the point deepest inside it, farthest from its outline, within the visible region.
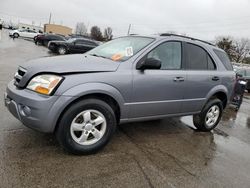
(45, 39)
(245, 74)
(72, 45)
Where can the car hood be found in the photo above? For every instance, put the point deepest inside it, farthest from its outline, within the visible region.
(67, 64)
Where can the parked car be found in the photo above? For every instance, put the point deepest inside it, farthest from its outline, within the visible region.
(81, 98)
(245, 74)
(45, 39)
(72, 45)
(27, 33)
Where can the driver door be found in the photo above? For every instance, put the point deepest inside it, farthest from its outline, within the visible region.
(160, 92)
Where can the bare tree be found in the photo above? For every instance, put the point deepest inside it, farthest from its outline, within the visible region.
(242, 49)
(96, 33)
(81, 29)
(227, 44)
(108, 34)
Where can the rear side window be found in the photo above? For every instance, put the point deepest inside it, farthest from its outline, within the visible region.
(224, 59)
(198, 58)
(248, 73)
(241, 72)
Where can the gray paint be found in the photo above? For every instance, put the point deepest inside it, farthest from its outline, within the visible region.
(141, 95)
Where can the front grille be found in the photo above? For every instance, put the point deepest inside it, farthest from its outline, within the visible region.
(19, 75)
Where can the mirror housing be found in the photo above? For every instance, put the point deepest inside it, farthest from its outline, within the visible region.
(149, 63)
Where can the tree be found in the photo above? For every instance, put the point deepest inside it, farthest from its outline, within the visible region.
(246, 60)
(96, 33)
(108, 34)
(81, 29)
(242, 50)
(226, 43)
(237, 49)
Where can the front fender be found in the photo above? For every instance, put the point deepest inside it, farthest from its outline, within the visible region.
(81, 90)
(90, 88)
(98, 88)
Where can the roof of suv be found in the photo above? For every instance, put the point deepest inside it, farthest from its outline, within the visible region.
(182, 38)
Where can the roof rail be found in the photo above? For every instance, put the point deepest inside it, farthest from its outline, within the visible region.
(191, 38)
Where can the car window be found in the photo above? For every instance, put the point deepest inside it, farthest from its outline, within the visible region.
(198, 58)
(248, 73)
(224, 59)
(241, 72)
(210, 63)
(90, 43)
(169, 53)
(80, 41)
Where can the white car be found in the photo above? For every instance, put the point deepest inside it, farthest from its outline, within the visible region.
(27, 33)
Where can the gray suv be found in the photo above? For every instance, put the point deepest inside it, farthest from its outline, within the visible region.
(81, 98)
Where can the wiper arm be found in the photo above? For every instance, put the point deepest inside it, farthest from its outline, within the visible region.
(99, 56)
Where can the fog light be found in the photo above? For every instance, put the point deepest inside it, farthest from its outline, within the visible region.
(25, 110)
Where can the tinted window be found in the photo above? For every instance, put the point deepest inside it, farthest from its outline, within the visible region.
(210, 63)
(241, 72)
(198, 58)
(55, 37)
(224, 59)
(248, 73)
(80, 41)
(169, 54)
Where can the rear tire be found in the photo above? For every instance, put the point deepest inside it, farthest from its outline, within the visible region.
(80, 132)
(248, 90)
(210, 116)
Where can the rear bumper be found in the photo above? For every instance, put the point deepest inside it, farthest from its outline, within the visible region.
(35, 111)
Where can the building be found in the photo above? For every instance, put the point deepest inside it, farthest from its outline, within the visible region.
(57, 29)
(31, 27)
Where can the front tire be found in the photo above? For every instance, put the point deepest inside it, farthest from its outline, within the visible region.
(86, 126)
(15, 35)
(210, 116)
(62, 50)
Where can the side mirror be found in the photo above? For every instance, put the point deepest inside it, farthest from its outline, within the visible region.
(149, 63)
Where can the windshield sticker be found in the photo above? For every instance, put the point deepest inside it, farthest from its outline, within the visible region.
(117, 57)
(129, 51)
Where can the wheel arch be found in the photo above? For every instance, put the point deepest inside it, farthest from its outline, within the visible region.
(219, 92)
(115, 100)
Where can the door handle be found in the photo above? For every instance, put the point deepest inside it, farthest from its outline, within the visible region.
(178, 79)
(215, 78)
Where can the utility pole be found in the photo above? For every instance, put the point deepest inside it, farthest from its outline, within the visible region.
(49, 18)
(129, 28)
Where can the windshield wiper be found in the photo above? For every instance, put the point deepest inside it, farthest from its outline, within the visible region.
(99, 56)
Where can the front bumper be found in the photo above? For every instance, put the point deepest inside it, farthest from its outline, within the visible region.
(35, 111)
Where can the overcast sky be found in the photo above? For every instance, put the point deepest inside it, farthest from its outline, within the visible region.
(198, 18)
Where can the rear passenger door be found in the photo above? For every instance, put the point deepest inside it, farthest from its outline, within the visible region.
(202, 76)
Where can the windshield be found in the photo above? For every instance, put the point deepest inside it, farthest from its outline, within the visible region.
(122, 48)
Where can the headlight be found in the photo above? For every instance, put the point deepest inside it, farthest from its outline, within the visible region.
(44, 84)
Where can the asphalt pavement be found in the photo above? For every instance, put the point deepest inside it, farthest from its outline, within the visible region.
(164, 153)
